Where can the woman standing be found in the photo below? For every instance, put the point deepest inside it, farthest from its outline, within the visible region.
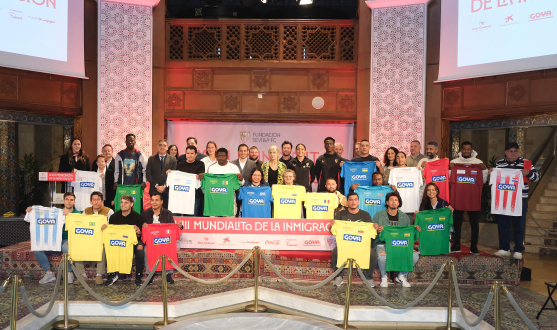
(173, 151)
(389, 161)
(107, 176)
(74, 159)
(211, 152)
(303, 167)
(273, 169)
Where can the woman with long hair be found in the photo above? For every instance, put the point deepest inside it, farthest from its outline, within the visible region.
(211, 152)
(256, 179)
(389, 162)
(273, 169)
(173, 151)
(74, 159)
(431, 199)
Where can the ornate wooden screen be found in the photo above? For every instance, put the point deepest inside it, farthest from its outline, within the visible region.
(258, 40)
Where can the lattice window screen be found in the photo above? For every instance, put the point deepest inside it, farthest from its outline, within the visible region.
(290, 43)
(204, 42)
(233, 42)
(176, 42)
(261, 43)
(319, 43)
(347, 43)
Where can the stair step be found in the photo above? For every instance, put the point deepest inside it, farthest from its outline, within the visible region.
(548, 224)
(542, 240)
(548, 200)
(546, 207)
(536, 231)
(541, 249)
(550, 192)
(543, 215)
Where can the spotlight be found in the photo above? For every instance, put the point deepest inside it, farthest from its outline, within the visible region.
(305, 2)
(263, 1)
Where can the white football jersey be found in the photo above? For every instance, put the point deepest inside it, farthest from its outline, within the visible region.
(506, 191)
(85, 183)
(45, 225)
(407, 181)
(181, 192)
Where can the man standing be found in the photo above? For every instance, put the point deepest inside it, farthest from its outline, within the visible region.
(415, 154)
(513, 160)
(339, 148)
(254, 155)
(354, 214)
(130, 165)
(157, 166)
(192, 141)
(197, 167)
(432, 149)
(467, 156)
(107, 152)
(286, 152)
(97, 207)
(328, 165)
(245, 164)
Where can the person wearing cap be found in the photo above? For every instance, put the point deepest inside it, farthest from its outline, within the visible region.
(513, 160)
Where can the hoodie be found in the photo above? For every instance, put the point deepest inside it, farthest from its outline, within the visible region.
(471, 160)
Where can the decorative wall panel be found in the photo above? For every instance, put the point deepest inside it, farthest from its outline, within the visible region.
(9, 166)
(398, 71)
(125, 65)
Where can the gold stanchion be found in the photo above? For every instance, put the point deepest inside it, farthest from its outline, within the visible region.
(255, 307)
(165, 320)
(497, 305)
(345, 324)
(13, 314)
(66, 323)
(449, 267)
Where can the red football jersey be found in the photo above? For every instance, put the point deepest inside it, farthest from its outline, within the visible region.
(467, 183)
(438, 173)
(161, 238)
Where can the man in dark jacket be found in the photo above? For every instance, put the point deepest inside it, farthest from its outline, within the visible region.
(157, 167)
(328, 165)
(130, 165)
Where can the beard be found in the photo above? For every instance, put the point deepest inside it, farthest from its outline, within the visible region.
(470, 155)
(254, 159)
(430, 155)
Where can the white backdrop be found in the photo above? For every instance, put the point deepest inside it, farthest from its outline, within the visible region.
(261, 135)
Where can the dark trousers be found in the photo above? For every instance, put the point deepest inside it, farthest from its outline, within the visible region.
(504, 223)
(474, 217)
(367, 272)
(139, 259)
(165, 198)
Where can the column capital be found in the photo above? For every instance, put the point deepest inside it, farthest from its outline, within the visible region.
(152, 3)
(374, 4)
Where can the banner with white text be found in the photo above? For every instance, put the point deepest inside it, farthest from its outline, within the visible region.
(246, 233)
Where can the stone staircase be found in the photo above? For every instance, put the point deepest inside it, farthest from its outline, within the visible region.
(545, 212)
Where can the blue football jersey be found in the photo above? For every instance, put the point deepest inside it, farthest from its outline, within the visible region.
(357, 172)
(256, 202)
(372, 199)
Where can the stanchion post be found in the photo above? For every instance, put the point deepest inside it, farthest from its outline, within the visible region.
(256, 307)
(165, 320)
(449, 266)
(345, 324)
(497, 293)
(13, 311)
(66, 323)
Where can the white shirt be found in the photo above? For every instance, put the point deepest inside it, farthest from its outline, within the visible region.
(208, 162)
(506, 191)
(45, 226)
(111, 212)
(408, 181)
(242, 164)
(425, 160)
(181, 192)
(229, 168)
(156, 218)
(85, 183)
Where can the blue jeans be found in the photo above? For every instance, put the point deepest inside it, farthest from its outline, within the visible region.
(43, 259)
(382, 263)
(504, 223)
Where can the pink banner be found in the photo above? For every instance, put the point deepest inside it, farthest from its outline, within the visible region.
(245, 233)
(56, 176)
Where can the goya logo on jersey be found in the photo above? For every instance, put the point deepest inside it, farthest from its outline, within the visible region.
(371, 201)
(439, 178)
(161, 240)
(359, 177)
(436, 226)
(287, 201)
(46, 221)
(219, 190)
(117, 242)
(405, 185)
(320, 208)
(466, 179)
(84, 231)
(256, 201)
(400, 242)
(181, 188)
(87, 184)
(352, 238)
(506, 187)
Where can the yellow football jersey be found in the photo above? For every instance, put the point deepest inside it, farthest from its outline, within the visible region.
(288, 201)
(118, 244)
(353, 241)
(321, 205)
(85, 236)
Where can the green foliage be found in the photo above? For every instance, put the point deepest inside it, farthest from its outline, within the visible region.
(486, 193)
(31, 190)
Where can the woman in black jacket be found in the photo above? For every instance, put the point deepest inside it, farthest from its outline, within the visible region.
(74, 159)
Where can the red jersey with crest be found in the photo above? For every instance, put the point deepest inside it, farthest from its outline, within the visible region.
(161, 238)
(506, 191)
(438, 173)
(467, 183)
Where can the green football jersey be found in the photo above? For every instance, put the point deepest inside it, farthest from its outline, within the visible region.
(134, 190)
(219, 194)
(399, 245)
(436, 231)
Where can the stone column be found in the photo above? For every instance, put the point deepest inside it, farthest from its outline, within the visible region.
(398, 68)
(125, 30)
(9, 167)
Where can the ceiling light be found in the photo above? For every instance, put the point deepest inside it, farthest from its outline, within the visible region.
(305, 2)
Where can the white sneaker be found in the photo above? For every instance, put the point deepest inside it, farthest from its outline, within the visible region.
(503, 253)
(70, 278)
(47, 278)
(338, 281)
(517, 255)
(402, 280)
(384, 282)
(371, 283)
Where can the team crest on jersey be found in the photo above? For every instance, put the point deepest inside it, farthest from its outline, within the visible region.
(336, 160)
(46, 221)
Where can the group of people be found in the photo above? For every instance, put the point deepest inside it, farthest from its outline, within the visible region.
(283, 168)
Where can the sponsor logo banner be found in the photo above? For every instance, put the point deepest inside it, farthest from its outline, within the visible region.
(55, 176)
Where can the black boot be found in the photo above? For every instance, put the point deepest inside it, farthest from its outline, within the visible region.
(138, 276)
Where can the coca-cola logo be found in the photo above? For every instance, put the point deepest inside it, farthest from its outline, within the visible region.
(312, 242)
(272, 242)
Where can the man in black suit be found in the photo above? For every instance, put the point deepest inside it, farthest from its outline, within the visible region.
(157, 165)
(107, 152)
